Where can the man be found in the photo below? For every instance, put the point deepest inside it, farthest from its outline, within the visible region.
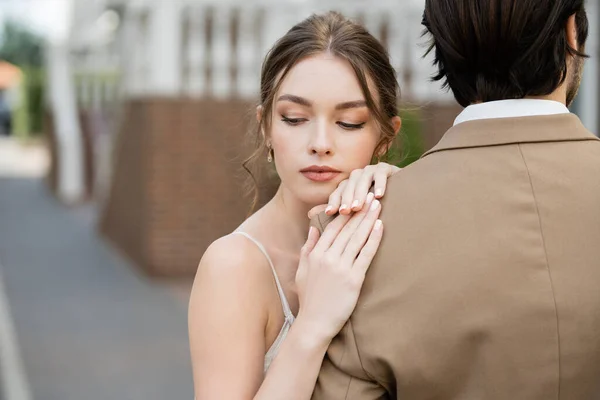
(487, 282)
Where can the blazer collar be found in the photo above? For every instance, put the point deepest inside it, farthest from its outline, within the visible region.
(504, 131)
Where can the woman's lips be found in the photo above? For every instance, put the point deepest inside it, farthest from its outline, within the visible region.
(320, 173)
(320, 176)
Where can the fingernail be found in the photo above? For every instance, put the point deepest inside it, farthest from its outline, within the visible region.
(343, 207)
(375, 205)
(378, 225)
(370, 197)
(310, 230)
(329, 208)
(379, 192)
(355, 204)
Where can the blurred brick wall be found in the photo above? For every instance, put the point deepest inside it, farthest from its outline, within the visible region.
(178, 181)
(437, 119)
(123, 218)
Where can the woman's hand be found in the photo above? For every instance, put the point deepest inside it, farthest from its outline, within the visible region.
(351, 193)
(332, 270)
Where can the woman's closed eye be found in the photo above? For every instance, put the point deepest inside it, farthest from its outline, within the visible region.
(350, 127)
(344, 125)
(293, 121)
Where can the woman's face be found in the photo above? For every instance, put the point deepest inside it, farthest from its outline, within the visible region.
(321, 127)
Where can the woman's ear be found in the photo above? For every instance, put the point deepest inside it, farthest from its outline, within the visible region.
(396, 124)
(259, 113)
(259, 116)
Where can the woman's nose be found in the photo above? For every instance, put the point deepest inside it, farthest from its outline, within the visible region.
(321, 141)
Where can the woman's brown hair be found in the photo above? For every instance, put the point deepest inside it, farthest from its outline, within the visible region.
(337, 35)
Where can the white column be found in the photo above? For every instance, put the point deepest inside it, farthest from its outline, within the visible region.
(276, 24)
(195, 53)
(248, 54)
(221, 52)
(133, 50)
(84, 89)
(397, 49)
(164, 33)
(71, 184)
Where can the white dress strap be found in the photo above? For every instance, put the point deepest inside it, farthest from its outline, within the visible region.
(287, 312)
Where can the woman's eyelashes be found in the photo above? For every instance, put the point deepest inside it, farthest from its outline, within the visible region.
(350, 127)
(344, 125)
(293, 121)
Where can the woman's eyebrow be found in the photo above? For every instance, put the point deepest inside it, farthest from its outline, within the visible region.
(351, 104)
(295, 99)
(304, 102)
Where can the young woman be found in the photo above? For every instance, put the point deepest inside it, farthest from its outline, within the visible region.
(266, 298)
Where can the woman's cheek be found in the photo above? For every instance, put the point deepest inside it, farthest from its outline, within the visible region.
(361, 152)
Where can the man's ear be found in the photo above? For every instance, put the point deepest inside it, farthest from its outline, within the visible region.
(571, 32)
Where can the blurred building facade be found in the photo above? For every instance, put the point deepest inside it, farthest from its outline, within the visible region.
(164, 91)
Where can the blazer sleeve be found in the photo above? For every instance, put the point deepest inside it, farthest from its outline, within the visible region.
(342, 375)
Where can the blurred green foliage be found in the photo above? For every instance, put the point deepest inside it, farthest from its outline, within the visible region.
(21, 46)
(24, 48)
(28, 119)
(408, 146)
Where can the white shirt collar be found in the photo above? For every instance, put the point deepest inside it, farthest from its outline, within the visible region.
(511, 109)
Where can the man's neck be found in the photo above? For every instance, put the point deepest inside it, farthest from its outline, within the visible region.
(559, 95)
(555, 96)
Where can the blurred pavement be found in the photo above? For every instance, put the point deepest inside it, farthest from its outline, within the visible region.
(85, 324)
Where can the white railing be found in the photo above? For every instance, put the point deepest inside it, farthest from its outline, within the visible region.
(215, 49)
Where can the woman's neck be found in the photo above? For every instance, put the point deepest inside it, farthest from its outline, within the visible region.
(291, 217)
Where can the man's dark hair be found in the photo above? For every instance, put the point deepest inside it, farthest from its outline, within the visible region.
(489, 50)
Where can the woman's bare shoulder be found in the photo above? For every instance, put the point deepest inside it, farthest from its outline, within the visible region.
(233, 259)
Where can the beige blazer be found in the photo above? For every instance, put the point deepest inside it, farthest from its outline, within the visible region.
(487, 283)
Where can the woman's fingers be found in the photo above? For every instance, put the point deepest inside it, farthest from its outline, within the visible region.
(361, 233)
(309, 245)
(368, 251)
(330, 234)
(335, 198)
(348, 194)
(362, 187)
(380, 177)
(351, 193)
(349, 230)
(311, 241)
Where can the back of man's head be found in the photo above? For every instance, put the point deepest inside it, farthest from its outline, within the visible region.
(489, 50)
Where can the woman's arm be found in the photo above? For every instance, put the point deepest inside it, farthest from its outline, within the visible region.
(293, 373)
(228, 315)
